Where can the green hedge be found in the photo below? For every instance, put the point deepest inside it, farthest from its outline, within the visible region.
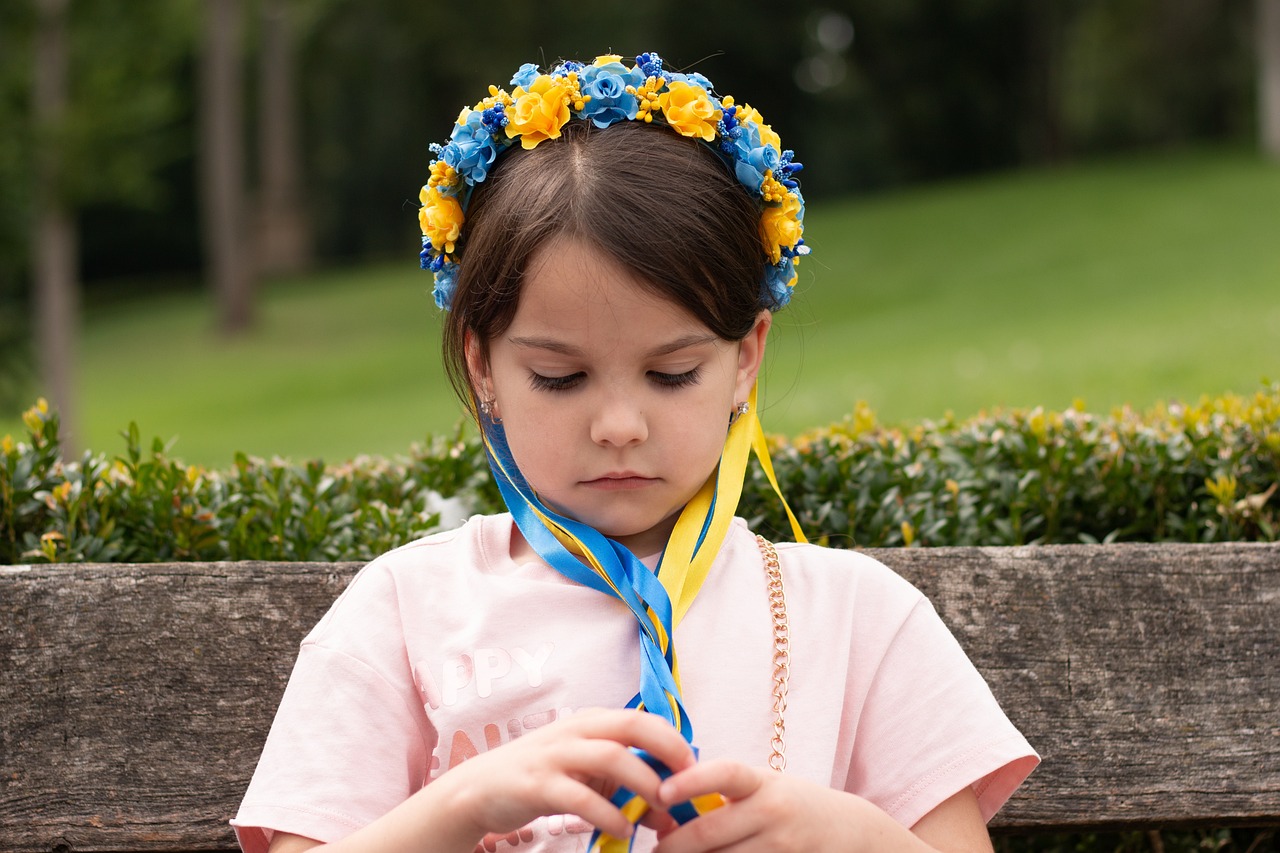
(1180, 473)
(149, 507)
(1190, 473)
(1186, 473)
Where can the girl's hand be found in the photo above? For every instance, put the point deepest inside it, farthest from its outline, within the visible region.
(770, 811)
(568, 767)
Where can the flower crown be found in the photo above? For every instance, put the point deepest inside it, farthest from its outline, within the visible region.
(607, 92)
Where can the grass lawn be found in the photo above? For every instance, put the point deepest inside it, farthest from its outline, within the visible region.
(1128, 281)
(1132, 280)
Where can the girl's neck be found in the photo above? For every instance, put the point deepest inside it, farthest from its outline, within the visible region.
(522, 552)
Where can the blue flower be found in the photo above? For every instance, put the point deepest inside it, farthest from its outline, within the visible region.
(650, 65)
(471, 149)
(446, 283)
(526, 75)
(699, 80)
(607, 85)
(777, 282)
(693, 79)
(752, 160)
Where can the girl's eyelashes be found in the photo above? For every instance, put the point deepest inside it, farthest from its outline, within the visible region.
(565, 383)
(676, 380)
(554, 383)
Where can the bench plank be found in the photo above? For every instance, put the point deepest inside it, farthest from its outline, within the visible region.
(135, 699)
(1146, 675)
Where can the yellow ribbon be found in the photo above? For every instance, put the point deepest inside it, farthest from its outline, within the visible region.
(686, 564)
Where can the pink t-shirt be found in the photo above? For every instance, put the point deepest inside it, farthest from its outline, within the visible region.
(446, 648)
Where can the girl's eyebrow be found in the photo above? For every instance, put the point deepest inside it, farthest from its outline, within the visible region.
(562, 348)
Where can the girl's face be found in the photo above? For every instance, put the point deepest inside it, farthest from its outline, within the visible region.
(615, 400)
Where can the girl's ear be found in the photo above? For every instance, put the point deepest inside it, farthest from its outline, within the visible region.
(751, 355)
(477, 368)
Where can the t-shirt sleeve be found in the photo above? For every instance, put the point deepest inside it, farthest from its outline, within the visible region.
(350, 740)
(930, 727)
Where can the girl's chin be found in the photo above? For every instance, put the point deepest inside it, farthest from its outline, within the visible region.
(644, 543)
(640, 536)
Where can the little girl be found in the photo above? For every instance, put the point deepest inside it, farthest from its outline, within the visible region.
(619, 662)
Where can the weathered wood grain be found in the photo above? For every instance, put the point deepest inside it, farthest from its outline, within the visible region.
(135, 699)
(1148, 676)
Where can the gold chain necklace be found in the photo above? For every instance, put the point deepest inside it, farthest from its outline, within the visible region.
(781, 652)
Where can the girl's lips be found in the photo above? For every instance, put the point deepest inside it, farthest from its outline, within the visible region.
(625, 482)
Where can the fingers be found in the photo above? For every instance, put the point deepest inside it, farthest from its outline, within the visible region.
(728, 778)
(572, 766)
(604, 754)
(719, 827)
(606, 765)
(722, 829)
(602, 758)
(765, 811)
(639, 729)
(580, 799)
(659, 821)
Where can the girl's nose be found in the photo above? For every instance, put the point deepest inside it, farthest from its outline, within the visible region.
(619, 421)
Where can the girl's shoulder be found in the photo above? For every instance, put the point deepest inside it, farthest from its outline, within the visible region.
(839, 570)
(482, 541)
(424, 569)
(836, 588)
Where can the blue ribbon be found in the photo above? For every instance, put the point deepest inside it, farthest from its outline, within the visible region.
(622, 576)
(625, 578)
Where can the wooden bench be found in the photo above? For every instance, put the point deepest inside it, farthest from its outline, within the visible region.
(134, 699)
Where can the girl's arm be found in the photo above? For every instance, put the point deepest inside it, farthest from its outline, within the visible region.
(767, 811)
(563, 768)
(853, 824)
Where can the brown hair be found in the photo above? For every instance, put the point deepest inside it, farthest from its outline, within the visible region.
(661, 204)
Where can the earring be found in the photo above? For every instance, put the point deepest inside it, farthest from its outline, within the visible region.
(488, 408)
(739, 410)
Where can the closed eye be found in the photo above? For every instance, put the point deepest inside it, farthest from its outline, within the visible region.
(676, 380)
(555, 383)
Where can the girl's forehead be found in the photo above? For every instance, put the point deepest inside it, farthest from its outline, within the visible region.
(572, 283)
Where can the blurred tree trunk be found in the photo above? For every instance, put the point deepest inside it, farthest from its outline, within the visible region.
(222, 196)
(54, 239)
(1046, 35)
(1269, 76)
(283, 232)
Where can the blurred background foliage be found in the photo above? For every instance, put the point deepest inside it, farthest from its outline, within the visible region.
(872, 92)
(874, 95)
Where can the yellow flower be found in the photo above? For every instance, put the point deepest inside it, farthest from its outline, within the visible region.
(441, 218)
(35, 416)
(771, 189)
(539, 112)
(496, 96)
(49, 544)
(748, 114)
(690, 110)
(780, 227)
(607, 59)
(442, 175)
(1037, 423)
(864, 419)
(1223, 488)
(647, 98)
